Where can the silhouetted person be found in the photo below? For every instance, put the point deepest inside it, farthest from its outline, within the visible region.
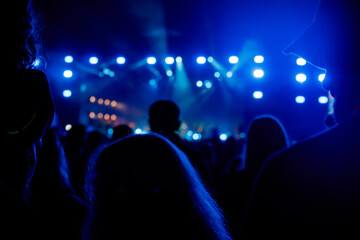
(77, 157)
(27, 111)
(144, 187)
(121, 131)
(265, 136)
(312, 189)
(164, 120)
(51, 191)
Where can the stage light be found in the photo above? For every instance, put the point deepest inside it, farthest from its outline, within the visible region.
(321, 77)
(300, 99)
(68, 73)
(229, 74)
(258, 73)
(153, 83)
(300, 61)
(106, 71)
(93, 60)
(178, 59)
(223, 137)
(201, 60)
(67, 93)
(169, 60)
(68, 127)
(92, 99)
(91, 115)
(111, 74)
(208, 83)
(120, 60)
(258, 94)
(100, 115)
(169, 73)
(210, 59)
(196, 136)
(113, 103)
(301, 77)
(199, 83)
(110, 131)
(151, 60)
(323, 100)
(138, 131)
(36, 63)
(233, 59)
(217, 74)
(258, 59)
(68, 59)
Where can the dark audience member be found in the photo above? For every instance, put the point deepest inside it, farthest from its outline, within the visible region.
(164, 120)
(27, 110)
(75, 152)
(51, 191)
(121, 131)
(265, 136)
(312, 189)
(144, 187)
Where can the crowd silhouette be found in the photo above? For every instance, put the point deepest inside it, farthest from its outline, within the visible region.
(82, 185)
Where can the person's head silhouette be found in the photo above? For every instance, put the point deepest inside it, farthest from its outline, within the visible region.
(332, 43)
(164, 117)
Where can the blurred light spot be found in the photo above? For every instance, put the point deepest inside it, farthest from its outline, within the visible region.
(201, 60)
(100, 101)
(113, 103)
(68, 73)
(217, 74)
(93, 60)
(68, 127)
(67, 93)
(321, 77)
(300, 99)
(210, 59)
(169, 60)
(258, 59)
(196, 136)
(100, 115)
(258, 73)
(92, 115)
(323, 99)
(229, 74)
(107, 102)
(120, 60)
(107, 116)
(151, 60)
(169, 73)
(178, 59)
(233, 59)
(301, 77)
(92, 99)
(258, 94)
(208, 83)
(300, 61)
(113, 117)
(223, 137)
(199, 83)
(68, 59)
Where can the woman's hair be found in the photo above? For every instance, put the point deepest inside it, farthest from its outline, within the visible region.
(22, 30)
(142, 187)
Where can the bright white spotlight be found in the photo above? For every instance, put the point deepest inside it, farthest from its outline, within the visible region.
(178, 59)
(169, 60)
(301, 77)
(120, 60)
(258, 94)
(223, 137)
(300, 61)
(258, 59)
(93, 60)
(323, 100)
(321, 77)
(68, 127)
(300, 99)
(208, 83)
(68, 73)
(199, 83)
(201, 60)
(68, 59)
(67, 93)
(258, 73)
(151, 60)
(233, 59)
(196, 136)
(229, 74)
(138, 131)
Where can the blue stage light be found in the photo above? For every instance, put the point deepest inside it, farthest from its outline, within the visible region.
(323, 100)
(67, 93)
(208, 83)
(36, 63)
(258, 94)
(199, 83)
(258, 73)
(300, 61)
(229, 74)
(201, 60)
(178, 59)
(68, 59)
(169, 73)
(300, 99)
(153, 83)
(68, 73)
(321, 77)
(210, 59)
(301, 77)
(223, 137)
(93, 60)
(196, 136)
(258, 59)
(151, 60)
(169, 60)
(120, 60)
(217, 74)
